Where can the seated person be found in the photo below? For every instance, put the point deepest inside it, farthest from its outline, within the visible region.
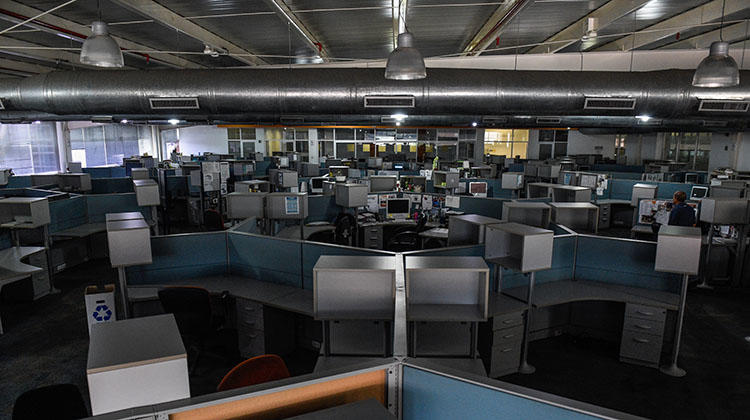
(681, 214)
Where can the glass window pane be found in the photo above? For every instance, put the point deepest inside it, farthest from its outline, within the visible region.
(325, 134)
(325, 148)
(364, 134)
(301, 134)
(233, 133)
(545, 151)
(561, 135)
(247, 133)
(94, 145)
(344, 134)
(234, 148)
(302, 147)
(546, 136)
(561, 149)
(427, 134)
(288, 134)
(248, 149)
(447, 153)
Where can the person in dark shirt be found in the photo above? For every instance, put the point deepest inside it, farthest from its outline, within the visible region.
(681, 214)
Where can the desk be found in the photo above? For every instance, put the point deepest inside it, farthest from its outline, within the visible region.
(438, 233)
(375, 235)
(136, 362)
(615, 212)
(644, 317)
(641, 231)
(80, 231)
(12, 269)
(262, 309)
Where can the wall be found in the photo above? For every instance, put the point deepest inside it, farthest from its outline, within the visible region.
(585, 144)
(743, 152)
(723, 149)
(210, 138)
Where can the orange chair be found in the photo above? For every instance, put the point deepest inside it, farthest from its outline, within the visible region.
(258, 370)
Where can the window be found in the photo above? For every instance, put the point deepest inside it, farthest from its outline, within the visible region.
(246, 143)
(553, 143)
(29, 148)
(509, 143)
(108, 144)
(690, 148)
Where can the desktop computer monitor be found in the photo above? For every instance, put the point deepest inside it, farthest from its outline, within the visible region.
(339, 172)
(478, 189)
(698, 193)
(588, 180)
(398, 208)
(382, 183)
(691, 178)
(398, 166)
(316, 184)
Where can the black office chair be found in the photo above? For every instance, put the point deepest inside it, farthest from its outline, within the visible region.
(61, 401)
(407, 239)
(345, 225)
(191, 307)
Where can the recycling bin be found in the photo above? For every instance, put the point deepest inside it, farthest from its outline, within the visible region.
(100, 305)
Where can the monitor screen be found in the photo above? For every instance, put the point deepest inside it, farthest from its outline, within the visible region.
(691, 178)
(697, 193)
(398, 166)
(316, 183)
(478, 187)
(398, 206)
(588, 180)
(568, 179)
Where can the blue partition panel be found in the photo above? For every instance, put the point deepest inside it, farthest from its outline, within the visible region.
(99, 205)
(624, 262)
(490, 207)
(563, 253)
(111, 185)
(23, 181)
(261, 167)
(311, 251)
(176, 257)
(322, 208)
(609, 167)
(247, 226)
(105, 172)
(431, 396)
(265, 258)
(67, 213)
(5, 241)
(622, 189)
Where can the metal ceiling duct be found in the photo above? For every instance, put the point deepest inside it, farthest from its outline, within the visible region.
(247, 92)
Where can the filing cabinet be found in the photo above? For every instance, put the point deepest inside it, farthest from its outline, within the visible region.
(507, 337)
(373, 237)
(605, 216)
(642, 334)
(250, 335)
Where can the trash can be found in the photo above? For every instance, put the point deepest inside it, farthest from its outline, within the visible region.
(100, 305)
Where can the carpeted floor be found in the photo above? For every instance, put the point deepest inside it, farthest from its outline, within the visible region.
(47, 342)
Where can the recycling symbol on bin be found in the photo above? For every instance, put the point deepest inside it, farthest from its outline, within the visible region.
(102, 313)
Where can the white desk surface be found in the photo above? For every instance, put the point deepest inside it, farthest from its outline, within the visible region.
(134, 342)
(21, 225)
(559, 292)
(11, 267)
(81, 231)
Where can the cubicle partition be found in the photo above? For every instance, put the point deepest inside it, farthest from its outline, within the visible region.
(176, 257)
(622, 189)
(619, 261)
(311, 251)
(99, 205)
(67, 213)
(105, 172)
(22, 181)
(264, 258)
(111, 185)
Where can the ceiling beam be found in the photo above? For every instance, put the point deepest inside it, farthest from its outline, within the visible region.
(606, 14)
(494, 26)
(172, 20)
(22, 66)
(709, 12)
(168, 59)
(29, 50)
(288, 17)
(731, 33)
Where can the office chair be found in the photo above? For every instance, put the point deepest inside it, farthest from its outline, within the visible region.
(191, 307)
(258, 370)
(212, 220)
(345, 225)
(60, 401)
(407, 239)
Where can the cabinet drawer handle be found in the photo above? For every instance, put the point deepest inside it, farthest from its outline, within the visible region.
(250, 308)
(248, 323)
(643, 327)
(508, 321)
(641, 340)
(253, 335)
(506, 350)
(509, 336)
(647, 313)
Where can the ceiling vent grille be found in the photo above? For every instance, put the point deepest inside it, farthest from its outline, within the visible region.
(714, 123)
(548, 120)
(173, 103)
(388, 120)
(101, 118)
(649, 121)
(403, 101)
(609, 103)
(494, 120)
(712, 105)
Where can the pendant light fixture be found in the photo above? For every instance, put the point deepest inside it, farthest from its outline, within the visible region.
(718, 69)
(405, 62)
(100, 49)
